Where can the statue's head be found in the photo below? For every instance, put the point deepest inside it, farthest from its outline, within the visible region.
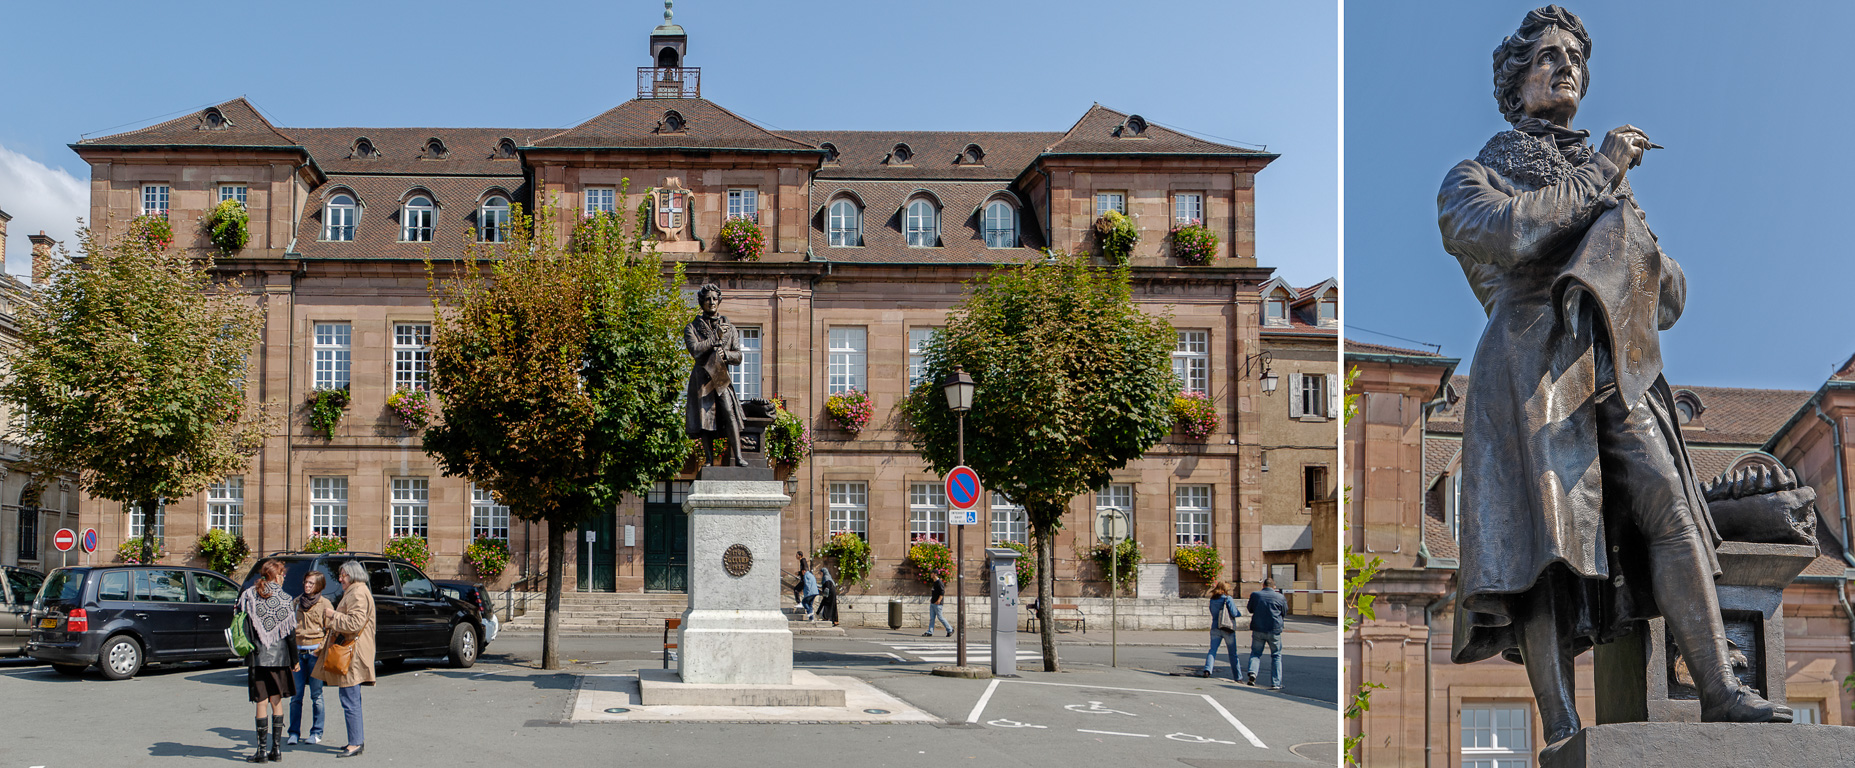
(1539, 70)
(708, 297)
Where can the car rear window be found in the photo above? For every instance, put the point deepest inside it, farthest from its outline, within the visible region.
(113, 585)
(63, 586)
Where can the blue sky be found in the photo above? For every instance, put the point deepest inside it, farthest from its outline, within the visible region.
(1750, 195)
(1254, 72)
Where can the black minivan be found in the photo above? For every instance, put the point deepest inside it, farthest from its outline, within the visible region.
(120, 617)
(413, 618)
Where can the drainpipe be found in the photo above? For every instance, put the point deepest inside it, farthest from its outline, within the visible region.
(1842, 489)
(1429, 684)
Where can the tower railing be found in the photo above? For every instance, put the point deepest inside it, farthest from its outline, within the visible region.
(669, 82)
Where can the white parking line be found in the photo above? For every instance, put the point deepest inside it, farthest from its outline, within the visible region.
(979, 707)
(983, 698)
(1115, 733)
(1234, 721)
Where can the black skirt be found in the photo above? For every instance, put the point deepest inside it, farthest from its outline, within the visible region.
(266, 682)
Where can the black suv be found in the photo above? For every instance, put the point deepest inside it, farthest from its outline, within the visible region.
(413, 619)
(120, 617)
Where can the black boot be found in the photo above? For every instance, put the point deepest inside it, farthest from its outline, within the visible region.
(1700, 634)
(263, 727)
(276, 754)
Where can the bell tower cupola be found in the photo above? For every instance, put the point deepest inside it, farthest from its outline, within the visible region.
(667, 77)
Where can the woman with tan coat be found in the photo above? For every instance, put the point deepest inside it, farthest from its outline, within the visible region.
(351, 623)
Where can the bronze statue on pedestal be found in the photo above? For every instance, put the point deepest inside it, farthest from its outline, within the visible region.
(712, 409)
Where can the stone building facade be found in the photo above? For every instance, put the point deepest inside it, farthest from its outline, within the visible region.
(1299, 450)
(870, 237)
(32, 508)
(1403, 459)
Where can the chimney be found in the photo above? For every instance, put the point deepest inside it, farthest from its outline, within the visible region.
(41, 256)
(4, 218)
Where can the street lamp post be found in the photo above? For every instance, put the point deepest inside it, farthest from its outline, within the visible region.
(959, 389)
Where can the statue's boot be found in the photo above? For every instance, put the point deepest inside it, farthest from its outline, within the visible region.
(1550, 671)
(1700, 633)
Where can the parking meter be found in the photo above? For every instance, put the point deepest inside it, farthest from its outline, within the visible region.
(1004, 565)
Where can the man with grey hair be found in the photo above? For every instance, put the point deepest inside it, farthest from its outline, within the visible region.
(1581, 515)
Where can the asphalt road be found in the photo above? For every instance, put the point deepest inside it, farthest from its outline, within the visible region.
(505, 711)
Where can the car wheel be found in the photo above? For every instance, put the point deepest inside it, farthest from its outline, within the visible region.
(72, 670)
(121, 657)
(464, 645)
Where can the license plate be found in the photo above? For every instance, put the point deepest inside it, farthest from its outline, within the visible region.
(48, 623)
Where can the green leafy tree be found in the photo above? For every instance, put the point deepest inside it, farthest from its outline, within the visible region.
(1073, 382)
(131, 372)
(558, 371)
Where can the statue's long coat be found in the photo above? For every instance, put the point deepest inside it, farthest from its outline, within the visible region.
(1532, 491)
(710, 396)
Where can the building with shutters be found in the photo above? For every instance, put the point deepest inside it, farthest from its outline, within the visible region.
(870, 236)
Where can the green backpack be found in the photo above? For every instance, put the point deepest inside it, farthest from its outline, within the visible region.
(238, 637)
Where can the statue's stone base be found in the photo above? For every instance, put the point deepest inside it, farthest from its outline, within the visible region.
(1704, 745)
(663, 688)
(733, 632)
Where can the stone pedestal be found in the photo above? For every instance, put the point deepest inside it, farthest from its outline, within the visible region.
(733, 632)
(1640, 676)
(1705, 745)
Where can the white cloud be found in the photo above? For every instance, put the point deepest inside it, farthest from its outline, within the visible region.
(38, 197)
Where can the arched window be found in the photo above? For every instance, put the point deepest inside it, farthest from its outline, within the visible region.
(672, 121)
(1134, 128)
(846, 223)
(901, 154)
(922, 224)
(1001, 225)
(416, 220)
(493, 219)
(830, 152)
(363, 147)
(338, 218)
(214, 120)
(972, 156)
(435, 149)
(505, 149)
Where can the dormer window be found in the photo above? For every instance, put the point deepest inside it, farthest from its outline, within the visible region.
(672, 122)
(1688, 408)
(214, 120)
(1275, 308)
(830, 152)
(921, 223)
(505, 150)
(338, 218)
(1329, 311)
(435, 149)
(416, 220)
(1133, 128)
(900, 155)
(1001, 225)
(363, 148)
(493, 219)
(972, 155)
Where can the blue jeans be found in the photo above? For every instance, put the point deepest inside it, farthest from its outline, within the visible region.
(934, 615)
(351, 713)
(1274, 641)
(807, 602)
(307, 687)
(1229, 642)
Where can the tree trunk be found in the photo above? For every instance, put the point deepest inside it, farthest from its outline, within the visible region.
(1046, 595)
(150, 508)
(550, 628)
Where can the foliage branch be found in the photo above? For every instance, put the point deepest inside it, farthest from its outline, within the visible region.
(1357, 607)
(1117, 234)
(223, 550)
(325, 409)
(228, 226)
(1126, 558)
(788, 443)
(854, 560)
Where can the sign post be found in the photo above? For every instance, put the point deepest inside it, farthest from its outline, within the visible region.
(64, 540)
(1111, 526)
(962, 495)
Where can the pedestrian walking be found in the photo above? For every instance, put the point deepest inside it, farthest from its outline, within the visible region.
(827, 591)
(311, 628)
(798, 583)
(269, 669)
(1267, 606)
(937, 593)
(1223, 606)
(350, 633)
(809, 584)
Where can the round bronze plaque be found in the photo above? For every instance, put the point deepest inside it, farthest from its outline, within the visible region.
(737, 560)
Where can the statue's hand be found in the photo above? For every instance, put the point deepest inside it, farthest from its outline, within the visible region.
(1624, 146)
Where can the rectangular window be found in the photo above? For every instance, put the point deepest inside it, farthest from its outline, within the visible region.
(1009, 523)
(1329, 313)
(328, 507)
(849, 354)
(1187, 209)
(1313, 485)
(1110, 201)
(137, 520)
(601, 200)
(489, 518)
(1806, 712)
(412, 355)
(744, 204)
(1191, 361)
(1496, 736)
(670, 492)
(154, 200)
(918, 339)
(1313, 395)
(225, 505)
(28, 534)
(1114, 496)
(411, 502)
(233, 192)
(1192, 515)
(850, 509)
(927, 512)
(746, 374)
(334, 349)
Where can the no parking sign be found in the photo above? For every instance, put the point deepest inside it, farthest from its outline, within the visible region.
(963, 496)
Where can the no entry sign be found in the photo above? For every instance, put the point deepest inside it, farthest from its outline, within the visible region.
(963, 487)
(64, 539)
(90, 540)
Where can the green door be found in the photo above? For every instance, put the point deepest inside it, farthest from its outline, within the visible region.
(666, 538)
(599, 557)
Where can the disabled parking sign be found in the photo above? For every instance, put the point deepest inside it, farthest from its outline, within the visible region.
(963, 495)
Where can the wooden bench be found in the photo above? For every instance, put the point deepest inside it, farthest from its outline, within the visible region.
(669, 625)
(1073, 611)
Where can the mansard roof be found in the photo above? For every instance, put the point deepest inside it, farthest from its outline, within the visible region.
(470, 151)
(237, 124)
(639, 124)
(376, 235)
(1106, 131)
(961, 237)
(937, 154)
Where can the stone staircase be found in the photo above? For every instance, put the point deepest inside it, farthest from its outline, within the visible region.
(630, 614)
